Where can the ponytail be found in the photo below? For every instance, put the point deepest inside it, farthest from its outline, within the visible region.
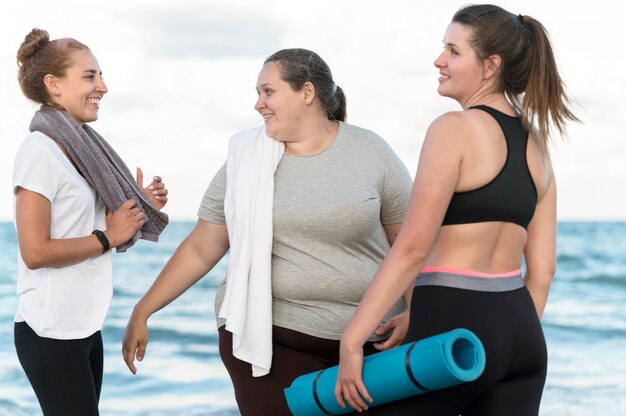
(545, 101)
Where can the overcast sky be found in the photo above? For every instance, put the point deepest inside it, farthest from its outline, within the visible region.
(181, 78)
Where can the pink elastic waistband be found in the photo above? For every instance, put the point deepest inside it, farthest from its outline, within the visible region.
(470, 272)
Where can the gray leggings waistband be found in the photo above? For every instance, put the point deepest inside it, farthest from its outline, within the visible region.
(464, 281)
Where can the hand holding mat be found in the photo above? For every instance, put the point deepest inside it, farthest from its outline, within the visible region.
(432, 363)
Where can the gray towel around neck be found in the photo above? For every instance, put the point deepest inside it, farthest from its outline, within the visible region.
(101, 166)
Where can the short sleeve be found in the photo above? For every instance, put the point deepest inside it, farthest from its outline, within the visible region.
(396, 190)
(212, 205)
(36, 169)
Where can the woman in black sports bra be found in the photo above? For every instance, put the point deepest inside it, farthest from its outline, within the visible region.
(484, 200)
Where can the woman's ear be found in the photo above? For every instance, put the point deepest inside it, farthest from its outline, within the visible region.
(51, 83)
(309, 92)
(491, 66)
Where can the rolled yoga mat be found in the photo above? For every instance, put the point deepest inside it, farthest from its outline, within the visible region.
(432, 363)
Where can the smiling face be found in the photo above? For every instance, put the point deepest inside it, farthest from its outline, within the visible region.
(79, 92)
(280, 106)
(462, 74)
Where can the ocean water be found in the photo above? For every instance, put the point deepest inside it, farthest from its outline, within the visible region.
(584, 324)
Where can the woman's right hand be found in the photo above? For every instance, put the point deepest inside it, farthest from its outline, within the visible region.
(135, 341)
(350, 387)
(124, 223)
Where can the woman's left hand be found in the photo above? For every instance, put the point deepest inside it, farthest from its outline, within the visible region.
(156, 191)
(350, 385)
(398, 325)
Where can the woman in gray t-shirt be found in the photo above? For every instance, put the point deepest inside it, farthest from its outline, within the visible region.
(340, 194)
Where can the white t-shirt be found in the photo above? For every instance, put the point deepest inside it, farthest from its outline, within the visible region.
(66, 302)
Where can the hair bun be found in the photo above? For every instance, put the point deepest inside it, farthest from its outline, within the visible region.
(34, 41)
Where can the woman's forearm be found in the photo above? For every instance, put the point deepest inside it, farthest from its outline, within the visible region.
(192, 260)
(61, 253)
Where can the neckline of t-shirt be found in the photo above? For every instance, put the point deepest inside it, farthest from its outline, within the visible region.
(339, 132)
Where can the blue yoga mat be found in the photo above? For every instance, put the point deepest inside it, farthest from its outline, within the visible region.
(433, 363)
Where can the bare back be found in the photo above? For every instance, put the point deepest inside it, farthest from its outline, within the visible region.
(491, 246)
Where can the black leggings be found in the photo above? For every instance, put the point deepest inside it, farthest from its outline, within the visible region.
(508, 326)
(65, 374)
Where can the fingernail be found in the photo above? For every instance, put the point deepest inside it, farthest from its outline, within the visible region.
(155, 193)
(151, 187)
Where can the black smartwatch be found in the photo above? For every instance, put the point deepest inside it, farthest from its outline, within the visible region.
(103, 239)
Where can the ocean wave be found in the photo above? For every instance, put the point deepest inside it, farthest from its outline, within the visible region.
(607, 281)
(583, 333)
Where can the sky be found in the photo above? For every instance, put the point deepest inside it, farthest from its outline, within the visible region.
(181, 76)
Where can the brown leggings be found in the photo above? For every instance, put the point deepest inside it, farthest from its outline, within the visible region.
(294, 354)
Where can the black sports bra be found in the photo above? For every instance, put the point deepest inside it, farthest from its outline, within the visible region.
(511, 196)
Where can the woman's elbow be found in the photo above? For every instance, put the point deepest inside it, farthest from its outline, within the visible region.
(32, 263)
(412, 255)
(541, 277)
(33, 259)
(550, 270)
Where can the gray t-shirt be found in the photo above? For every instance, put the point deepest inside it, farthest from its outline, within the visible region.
(329, 240)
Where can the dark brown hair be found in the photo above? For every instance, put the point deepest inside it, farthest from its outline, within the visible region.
(528, 74)
(38, 57)
(298, 66)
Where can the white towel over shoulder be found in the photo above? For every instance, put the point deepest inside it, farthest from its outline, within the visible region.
(252, 160)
